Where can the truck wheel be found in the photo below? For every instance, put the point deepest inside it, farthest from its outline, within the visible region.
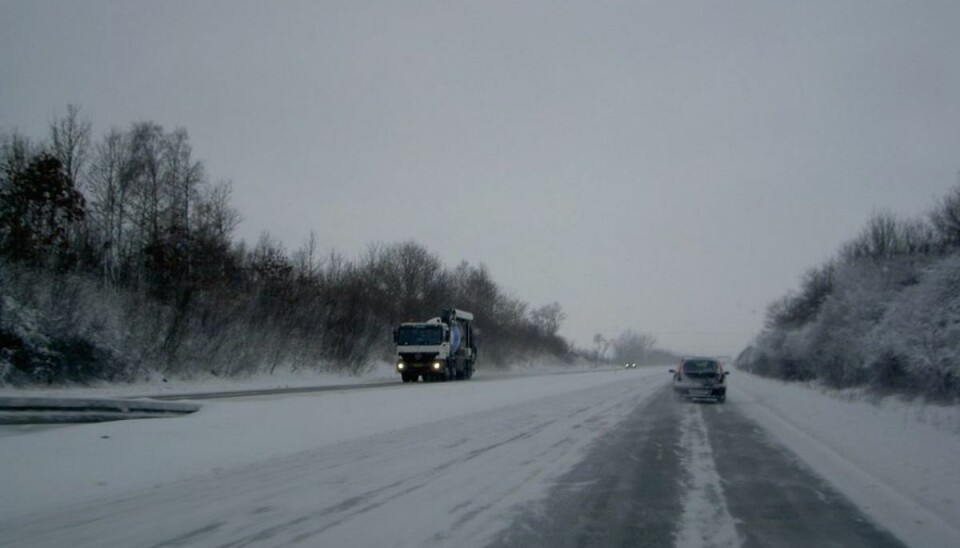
(450, 373)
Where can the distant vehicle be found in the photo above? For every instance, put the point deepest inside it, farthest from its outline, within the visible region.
(630, 365)
(700, 378)
(439, 349)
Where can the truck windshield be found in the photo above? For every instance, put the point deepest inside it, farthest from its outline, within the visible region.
(410, 335)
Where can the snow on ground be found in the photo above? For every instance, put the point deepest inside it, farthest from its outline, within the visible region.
(73, 464)
(157, 386)
(898, 462)
(283, 377)
(706, 520)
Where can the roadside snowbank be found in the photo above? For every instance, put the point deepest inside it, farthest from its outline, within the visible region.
(896, 461)
(282, 378)
(157, 386)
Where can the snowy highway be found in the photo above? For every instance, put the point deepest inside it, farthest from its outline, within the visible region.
(692, 474)
(603, 458)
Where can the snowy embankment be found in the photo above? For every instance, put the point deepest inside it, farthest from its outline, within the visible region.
(282, 378)
(896, 461)
(64, 467)
(157, 385)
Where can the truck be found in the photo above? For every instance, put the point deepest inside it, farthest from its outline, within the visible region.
(439, 349)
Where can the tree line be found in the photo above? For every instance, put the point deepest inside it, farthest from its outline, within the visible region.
(883, 313)
(630, 346)
(118, 260)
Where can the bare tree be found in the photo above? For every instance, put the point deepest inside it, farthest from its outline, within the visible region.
(548, 318)
(16, 152)
(305, 261)
(601, 345)
(181, 178)
(885, 236)
(108, 191)
(405, 279)
(214, 213)
(633, 346)
(946, 218)
(70, 141)
(268, 260)
(143, 172)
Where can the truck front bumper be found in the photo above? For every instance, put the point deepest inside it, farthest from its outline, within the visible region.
(420, 368)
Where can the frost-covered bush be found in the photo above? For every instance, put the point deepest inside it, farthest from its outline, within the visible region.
(797, 309)
(21, 341)
(893, 325)
(884, 313)
(777, 353)
(916, 345)
(48, 337)
(836, 343)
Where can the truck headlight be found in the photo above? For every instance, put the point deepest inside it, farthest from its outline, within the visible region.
(400, 366)
(436, 366)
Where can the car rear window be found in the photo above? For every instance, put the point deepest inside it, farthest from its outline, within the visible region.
(700, 366)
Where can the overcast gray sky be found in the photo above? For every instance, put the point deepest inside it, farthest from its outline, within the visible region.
(668, 166)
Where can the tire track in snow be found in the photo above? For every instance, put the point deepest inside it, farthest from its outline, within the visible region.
(624, 492)
(706, 520)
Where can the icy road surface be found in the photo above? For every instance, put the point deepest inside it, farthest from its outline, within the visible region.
(589, 459)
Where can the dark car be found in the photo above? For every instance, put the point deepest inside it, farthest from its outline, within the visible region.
(700, 378)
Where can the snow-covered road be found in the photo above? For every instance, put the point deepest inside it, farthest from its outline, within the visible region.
(586, 459)
(691, 475)
(431, 464)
